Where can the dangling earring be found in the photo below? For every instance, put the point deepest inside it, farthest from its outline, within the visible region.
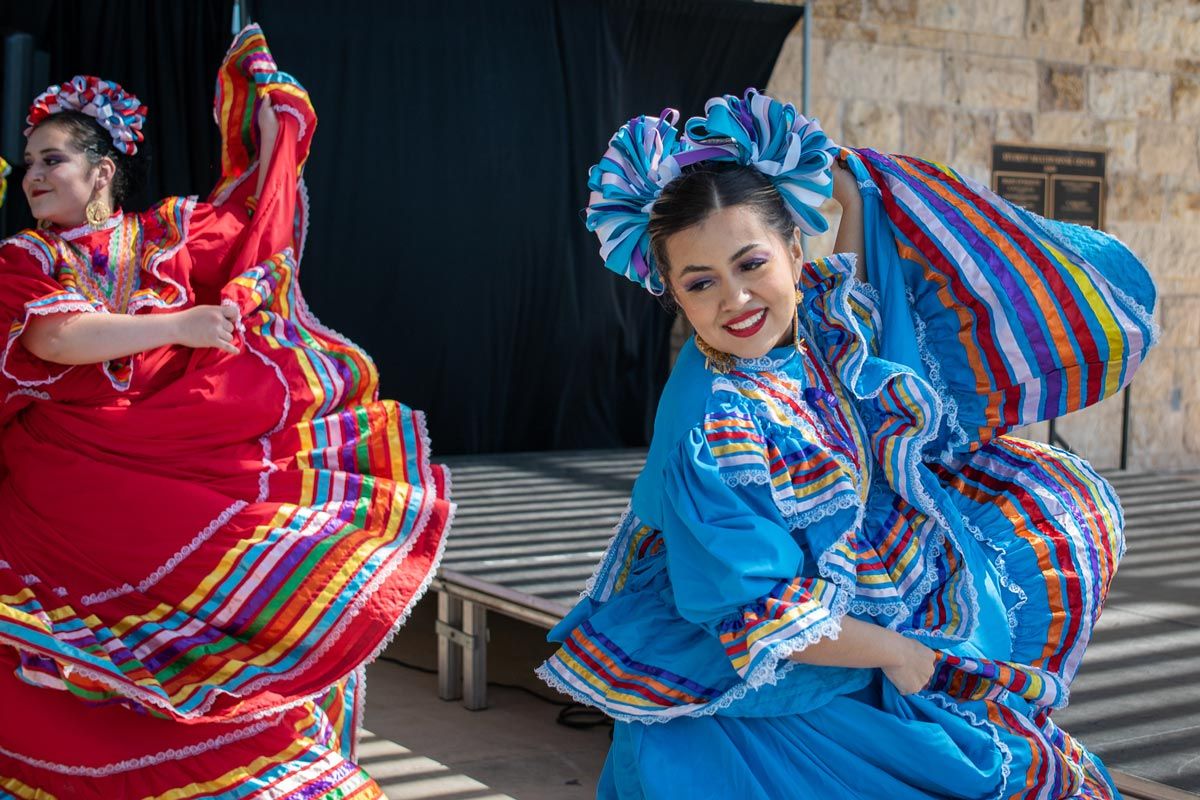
(714, 358)
(97, 213)
(797, 342)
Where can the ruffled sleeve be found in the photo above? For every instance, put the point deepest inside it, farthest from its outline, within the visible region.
(701, 617)
(28, 289)
(737, 567)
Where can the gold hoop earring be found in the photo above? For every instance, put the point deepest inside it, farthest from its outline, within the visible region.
(97, 213)
(797, 341)
(714, 359)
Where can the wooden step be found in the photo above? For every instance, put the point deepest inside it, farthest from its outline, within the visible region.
(1135, 788)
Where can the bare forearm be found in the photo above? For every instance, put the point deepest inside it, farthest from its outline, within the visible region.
(905, 662)
(860, 644)
(95, 338)
(850, 236)
(268, 133)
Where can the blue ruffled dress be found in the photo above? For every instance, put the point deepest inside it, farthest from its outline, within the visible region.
(867, 474)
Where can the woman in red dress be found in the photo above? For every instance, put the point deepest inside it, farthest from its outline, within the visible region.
(208, 520)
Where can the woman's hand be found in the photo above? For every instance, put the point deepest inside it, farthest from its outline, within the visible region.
(845, 186)
(207, 326)
(913, 666)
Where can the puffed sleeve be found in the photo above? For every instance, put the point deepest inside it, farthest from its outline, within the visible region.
(28, 289)
(738, 568)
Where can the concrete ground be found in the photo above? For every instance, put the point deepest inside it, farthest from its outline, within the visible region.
(515, 746)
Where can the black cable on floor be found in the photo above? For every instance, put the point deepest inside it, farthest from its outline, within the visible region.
(407, 665)
(581, 717)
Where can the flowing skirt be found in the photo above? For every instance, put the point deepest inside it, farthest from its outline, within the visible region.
(192, 573)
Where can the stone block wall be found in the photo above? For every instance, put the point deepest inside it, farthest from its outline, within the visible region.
(945, 79)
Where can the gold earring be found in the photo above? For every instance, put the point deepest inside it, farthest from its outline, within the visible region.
(97, 213)
(714, 358)
(796, 340)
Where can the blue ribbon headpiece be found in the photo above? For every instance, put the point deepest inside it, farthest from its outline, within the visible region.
(647, 153)
(639, 162)
(760, 132)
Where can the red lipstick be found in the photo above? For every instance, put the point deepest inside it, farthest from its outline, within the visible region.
(758, 314)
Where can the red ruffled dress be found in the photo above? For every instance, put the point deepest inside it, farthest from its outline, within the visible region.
(199, 551)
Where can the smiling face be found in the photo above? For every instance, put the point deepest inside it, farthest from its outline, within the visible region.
(734, 278)
(59, 181)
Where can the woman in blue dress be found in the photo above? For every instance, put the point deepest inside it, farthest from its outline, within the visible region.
(838, 577)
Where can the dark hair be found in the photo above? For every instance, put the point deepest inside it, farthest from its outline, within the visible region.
(95, 143)
(710, 186)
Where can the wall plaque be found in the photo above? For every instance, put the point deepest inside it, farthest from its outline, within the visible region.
(1058, 183)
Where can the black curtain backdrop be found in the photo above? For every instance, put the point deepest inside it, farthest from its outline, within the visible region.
(447, 178)
(167, 53)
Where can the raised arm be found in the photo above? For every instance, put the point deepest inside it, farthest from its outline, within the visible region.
(268, 133)
(95, 338)
(850, 236)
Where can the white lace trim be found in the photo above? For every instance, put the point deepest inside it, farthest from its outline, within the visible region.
(958, 438)
(173, 754)
(764, 363)
(292, 111)
(368, 592)
(27, 393)
(987, 727)
(610, 555)
(220, 198)
(767, 673)
(145, 697)
(746, 477)
(360, 704)
(269, 466)
(86, 228)
(1140, 313)
(162, 256)
(171, 563)
(33, 250)
(1002, 572)
(867, 289)
(800, 520)
(81, 306)
(912, 466)
(302, 200)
